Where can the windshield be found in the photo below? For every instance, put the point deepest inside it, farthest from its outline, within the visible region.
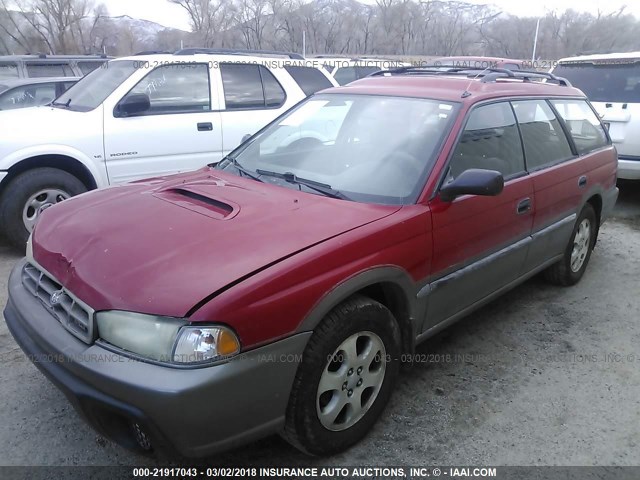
(93, 89)
(606, 82)
(8, 70)
(365, 148)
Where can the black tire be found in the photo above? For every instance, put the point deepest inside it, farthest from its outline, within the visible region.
(303, 428)
(561, 273)
(21, 188)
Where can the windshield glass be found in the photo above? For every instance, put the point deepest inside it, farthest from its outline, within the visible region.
(368, 148)
(93, 89)
(606, 82)
(8, 70)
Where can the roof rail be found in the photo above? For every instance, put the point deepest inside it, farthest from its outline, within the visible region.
(151, 52)
(486, 75)
(235, 51)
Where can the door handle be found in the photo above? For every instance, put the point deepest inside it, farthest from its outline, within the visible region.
(524, 206)
(205, 127)
(582, 181)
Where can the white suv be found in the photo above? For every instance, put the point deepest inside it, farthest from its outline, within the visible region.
(139, 117)
(612, 83)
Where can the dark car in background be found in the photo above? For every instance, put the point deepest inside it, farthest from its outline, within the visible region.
(32, 92)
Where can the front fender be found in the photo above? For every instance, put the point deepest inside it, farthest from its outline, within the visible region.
(94, 166)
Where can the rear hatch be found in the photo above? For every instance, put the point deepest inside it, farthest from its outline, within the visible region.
(613, 87)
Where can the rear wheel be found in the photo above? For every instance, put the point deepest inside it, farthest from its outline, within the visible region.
(571, 268)
(28, 195)
(346, 377)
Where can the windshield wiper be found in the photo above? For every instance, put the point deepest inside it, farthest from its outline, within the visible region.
(64, 105)
(312, 184)
(238, 167)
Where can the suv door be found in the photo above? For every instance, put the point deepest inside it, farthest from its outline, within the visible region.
(480, 243)
(558, 179)
(180, 132)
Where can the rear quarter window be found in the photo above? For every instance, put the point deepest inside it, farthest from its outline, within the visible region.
(42, 70)
(309, 79)
(8, 70)
(583, 124)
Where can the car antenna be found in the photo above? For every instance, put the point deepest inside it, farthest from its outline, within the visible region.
(466, 92)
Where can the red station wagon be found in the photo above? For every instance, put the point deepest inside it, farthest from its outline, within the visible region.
(280, 290)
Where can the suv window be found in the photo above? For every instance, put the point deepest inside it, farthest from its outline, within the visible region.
(180, 88)
(490, 141)
(604, 82)
(345, 75)
(28, 96)
(8, 70)
(544, 140)
(40, 70)
(250, 86)
(88, 67)
(583, 124)
(309, 79)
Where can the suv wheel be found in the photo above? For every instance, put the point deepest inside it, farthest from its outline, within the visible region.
(28, 195)
(570, 269)
(345, 379)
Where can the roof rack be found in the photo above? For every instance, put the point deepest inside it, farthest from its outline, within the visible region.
(486, 75)
(234, 51)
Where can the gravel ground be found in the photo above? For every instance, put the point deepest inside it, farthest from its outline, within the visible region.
(542, 376)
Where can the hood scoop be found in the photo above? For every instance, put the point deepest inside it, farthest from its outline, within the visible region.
(200, 201)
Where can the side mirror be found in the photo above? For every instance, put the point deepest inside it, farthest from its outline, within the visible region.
(474, 181)
(246, 137)
(133, 104)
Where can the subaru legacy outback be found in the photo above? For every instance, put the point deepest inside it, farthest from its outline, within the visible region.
(279, 290)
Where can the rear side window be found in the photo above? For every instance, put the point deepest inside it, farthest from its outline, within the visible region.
(584, 126)
(366, 71)
(309, 79)
(345, 75)
(490, 141)
(180, 88)
(40, 70)
(250, 86)
(544, 140)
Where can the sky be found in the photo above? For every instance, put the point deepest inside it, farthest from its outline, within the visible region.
(170, 15)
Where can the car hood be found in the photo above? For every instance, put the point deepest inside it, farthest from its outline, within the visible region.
(162, 246)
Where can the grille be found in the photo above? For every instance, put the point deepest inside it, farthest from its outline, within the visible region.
(74, 315)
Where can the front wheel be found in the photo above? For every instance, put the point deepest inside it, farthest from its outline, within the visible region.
(571, 268)
(346, 378)
(28, 195)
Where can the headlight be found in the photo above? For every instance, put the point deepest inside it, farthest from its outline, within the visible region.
(29, 252)
(166, 339)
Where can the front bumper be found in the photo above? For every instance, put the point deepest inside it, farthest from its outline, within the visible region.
(194, 411)
(628, 167)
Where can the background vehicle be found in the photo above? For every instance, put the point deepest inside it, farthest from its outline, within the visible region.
(436, 193)
(612, 83)
(345, 70)
(481, 62)
(139, 117)
(39, 66)
(32, 92)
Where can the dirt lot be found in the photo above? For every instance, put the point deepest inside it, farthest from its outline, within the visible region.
(543, 376)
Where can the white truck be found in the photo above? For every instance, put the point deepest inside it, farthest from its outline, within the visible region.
(140, 117)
